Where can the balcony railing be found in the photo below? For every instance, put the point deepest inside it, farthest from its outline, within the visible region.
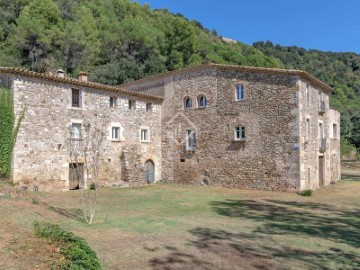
(322, 107)
(322, 145)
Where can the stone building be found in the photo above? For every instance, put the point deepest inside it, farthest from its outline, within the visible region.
(56, 109)
(246, 127)
(230, 126)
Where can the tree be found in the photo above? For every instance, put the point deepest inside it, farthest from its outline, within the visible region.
(85, 148)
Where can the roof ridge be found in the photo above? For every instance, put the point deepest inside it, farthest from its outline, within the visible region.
(238, 67)
(77, 82)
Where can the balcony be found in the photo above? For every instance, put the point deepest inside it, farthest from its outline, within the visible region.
(322, 145)
(322, 107)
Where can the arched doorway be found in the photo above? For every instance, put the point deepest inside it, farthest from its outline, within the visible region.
(149, 171)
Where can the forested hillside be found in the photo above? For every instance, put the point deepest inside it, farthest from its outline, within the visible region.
(339, 70)
(118, 41)
(115, 40)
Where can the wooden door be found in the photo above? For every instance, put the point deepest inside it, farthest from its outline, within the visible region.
(321, 171)
(76, 175)
(149, 171)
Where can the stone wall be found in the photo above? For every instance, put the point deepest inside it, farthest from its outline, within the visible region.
(309, 150)
(41, 154)
(267, 159)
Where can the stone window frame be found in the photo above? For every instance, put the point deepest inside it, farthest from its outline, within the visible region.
(113, 101)
(75, 121)
(149, 107)
(132, 104)
(243, 92)
(190, 139)
(185, 99)
(234, 84)
(147, 129)
(198, 101)
(80, 101)
(307, 95)
(242, 137)
(307, 128)
(335, 131)
(121, 132)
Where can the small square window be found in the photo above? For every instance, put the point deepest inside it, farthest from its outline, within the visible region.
(148, 107)
(132, 104)
(76, 98)
(145, 137)
(240, 133)
(75, 131)
(115, 133)
(240, 92)
(113, 102)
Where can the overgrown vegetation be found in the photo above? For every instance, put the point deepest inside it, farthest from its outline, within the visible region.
(115, 40)
(76, 251)
(306, 192)
(118, 41)
(9, 129)
(339, 70)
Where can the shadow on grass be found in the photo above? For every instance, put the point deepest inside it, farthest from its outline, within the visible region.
(73, 213)
(214, 249)
(259, 249)
(309, 219)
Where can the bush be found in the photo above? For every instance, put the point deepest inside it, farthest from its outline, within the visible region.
(306, 192)
(76, 251)
(92, 186)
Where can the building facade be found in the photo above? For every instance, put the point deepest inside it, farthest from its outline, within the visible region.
(244, 127)
(229, 126)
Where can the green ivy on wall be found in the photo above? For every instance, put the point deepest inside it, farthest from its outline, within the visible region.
(9, 128)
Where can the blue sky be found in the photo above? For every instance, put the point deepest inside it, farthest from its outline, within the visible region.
(329, 25)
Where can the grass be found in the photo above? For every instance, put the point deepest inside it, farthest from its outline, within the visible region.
(188, 227)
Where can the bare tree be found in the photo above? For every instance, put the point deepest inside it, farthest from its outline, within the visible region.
(84, 147)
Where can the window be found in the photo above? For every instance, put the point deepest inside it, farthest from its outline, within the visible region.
(190, 140)
(113, 102)
(75, 98)
(239, 94)
(145, 137)
(132, 104)
(115, 133)
(307, 130)
(202, 102)
(240, 133)
(321, 133)
(307, 96)
(187, 103)
(75, 131)
(148, 107)
(334, 131)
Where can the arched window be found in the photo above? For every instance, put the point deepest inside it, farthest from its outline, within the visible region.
(187, 103)
(202, 102)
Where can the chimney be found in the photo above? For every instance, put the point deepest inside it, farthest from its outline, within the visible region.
(83, 76)
(60, 73)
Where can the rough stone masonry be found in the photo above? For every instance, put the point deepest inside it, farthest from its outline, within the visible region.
(218, 125)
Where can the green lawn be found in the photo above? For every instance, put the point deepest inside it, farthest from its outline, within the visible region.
(167, 226)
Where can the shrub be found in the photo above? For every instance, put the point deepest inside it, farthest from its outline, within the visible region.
(76, 251)
(306, 192)
(92, 186)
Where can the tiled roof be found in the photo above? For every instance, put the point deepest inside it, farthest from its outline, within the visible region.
(76, 82)
(300, 73)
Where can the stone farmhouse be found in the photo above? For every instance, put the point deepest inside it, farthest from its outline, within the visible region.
(218, 125)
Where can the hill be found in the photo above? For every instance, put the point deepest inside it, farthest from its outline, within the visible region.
(341, 70)
(118, 41)
(115, 40)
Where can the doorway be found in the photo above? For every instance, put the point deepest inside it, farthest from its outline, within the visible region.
(149, 171)
(321, 171)
(76, 175)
